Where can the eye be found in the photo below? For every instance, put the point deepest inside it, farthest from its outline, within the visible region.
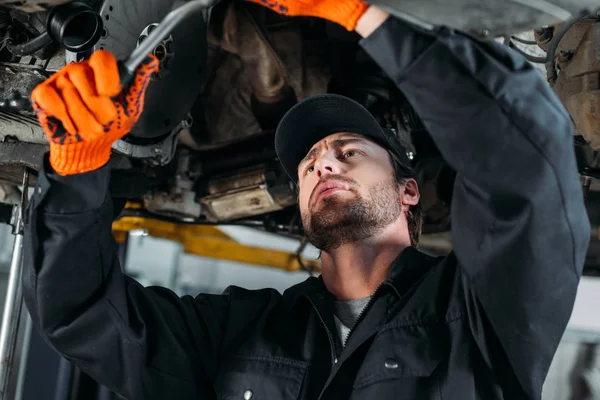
(309, 169)
(350, 153)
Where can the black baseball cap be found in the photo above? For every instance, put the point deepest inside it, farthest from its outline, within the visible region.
(322, 115)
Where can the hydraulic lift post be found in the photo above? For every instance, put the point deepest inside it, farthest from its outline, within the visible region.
(14, 296)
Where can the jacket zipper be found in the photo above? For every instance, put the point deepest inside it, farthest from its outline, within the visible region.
(363, 312)
(360, 316)
(329, 334)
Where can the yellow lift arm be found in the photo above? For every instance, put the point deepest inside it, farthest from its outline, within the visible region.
(210, 241)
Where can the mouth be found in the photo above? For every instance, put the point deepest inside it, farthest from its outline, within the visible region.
(327, 189)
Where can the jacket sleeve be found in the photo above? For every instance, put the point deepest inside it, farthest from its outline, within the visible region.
(132, 339)
(520, 230)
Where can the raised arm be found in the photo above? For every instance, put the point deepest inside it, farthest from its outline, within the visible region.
(519, 224)
(136, 341)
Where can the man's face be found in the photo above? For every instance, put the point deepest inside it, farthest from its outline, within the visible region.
(347, 190)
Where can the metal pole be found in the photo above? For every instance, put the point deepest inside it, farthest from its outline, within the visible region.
(14, 296)
(24, 356)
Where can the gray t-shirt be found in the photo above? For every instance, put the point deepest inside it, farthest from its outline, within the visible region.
(346, 315)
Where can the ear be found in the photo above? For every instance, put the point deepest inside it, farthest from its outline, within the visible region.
(410, 193)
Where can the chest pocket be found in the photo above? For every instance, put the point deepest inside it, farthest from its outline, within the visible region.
(258, 378)
(403, 359)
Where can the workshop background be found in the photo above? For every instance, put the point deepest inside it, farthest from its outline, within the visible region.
(43, 375)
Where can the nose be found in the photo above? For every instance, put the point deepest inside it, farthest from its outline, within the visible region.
(326, 164)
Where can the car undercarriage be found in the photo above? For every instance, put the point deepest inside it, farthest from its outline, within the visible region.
(202, 152)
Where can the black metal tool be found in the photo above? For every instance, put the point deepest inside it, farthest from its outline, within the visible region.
(127, 68)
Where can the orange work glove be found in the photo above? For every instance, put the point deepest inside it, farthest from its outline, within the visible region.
(343, 12)
(81, 120)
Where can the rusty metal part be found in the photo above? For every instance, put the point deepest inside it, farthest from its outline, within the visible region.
(491, 18)
(226, 104)
(242, 36)
(578, 83)
(209, 241)
(9, 194)
(544, 35)
(253, 191)
(157, 153)
(16, 83)
(14, 126)
(564, 56)
(179, 201)
(176, 205)
(15, 156)
(32, 5)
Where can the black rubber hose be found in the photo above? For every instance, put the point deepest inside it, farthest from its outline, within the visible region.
(31, 46)
(76, 26)
(523, 41)
(529, 57)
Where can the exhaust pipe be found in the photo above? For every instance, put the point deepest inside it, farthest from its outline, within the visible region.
(76, 26)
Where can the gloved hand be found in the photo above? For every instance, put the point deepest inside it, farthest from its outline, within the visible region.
(343, 12)
(77, 113)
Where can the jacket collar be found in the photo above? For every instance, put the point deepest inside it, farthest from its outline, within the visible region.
(410, 267)
(312, 288)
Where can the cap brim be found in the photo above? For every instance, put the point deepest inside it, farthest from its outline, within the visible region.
(320, 116)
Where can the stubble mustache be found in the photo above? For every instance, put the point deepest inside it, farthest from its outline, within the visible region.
(335, 178)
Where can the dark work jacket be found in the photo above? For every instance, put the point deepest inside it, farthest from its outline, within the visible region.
(482, 323)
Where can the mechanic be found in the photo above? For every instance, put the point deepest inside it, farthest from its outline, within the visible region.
(384, 320)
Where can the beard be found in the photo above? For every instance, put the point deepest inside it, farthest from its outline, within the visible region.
(338, 220)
